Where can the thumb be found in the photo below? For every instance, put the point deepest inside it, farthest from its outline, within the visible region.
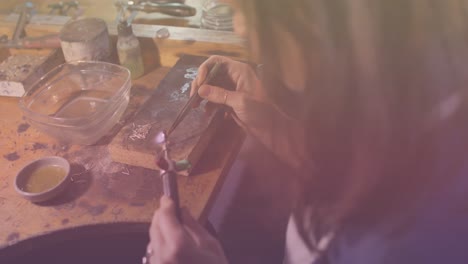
(219, 95)
(168, 222)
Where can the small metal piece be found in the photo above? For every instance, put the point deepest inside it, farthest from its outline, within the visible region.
(163, 33)
(187, 107)
(161, 138)
(183, 165)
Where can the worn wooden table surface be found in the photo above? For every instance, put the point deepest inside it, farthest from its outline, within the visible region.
(103, 191)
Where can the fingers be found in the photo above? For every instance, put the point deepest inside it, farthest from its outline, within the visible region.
(221, 96)
(203, 73)
(206, 66)
(156, 237)
(155, 233)
(210, 108)
(156, 240)
(150, 257)
(195, 246)
(169, 225)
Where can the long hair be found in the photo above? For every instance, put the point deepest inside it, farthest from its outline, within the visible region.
(377, 70)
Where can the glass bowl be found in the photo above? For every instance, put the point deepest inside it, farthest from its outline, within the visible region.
(78, 102)
(216, 15)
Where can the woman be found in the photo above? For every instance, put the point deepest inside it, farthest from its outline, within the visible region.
(366, 99)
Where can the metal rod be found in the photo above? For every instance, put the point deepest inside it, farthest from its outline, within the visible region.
(213, 71)
(171, 190)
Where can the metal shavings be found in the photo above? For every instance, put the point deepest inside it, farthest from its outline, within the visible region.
(186, 87)
(191, 73)
(140, 131)
(126, 172)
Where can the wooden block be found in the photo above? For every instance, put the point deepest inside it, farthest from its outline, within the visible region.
(134, 144)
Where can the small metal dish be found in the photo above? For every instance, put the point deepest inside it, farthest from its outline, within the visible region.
(24, 174)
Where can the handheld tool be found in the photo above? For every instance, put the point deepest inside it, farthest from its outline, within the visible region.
(168, 172)
(188, 106)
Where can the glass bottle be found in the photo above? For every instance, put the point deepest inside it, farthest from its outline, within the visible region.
(128, 50)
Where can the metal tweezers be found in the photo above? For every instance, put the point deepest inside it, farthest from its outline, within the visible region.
(188, 106)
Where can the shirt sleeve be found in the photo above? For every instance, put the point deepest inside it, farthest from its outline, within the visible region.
(298, 250)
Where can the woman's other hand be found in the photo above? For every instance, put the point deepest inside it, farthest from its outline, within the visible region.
(174, 242)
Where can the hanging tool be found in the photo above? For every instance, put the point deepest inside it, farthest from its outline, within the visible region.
(17, 40)
(188, 106)
(172, 9)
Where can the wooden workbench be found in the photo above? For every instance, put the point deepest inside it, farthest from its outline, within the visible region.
(103, 191)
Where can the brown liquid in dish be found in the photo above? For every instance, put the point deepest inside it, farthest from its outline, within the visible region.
(44, 178)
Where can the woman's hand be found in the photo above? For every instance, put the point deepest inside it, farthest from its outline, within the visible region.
(243, 92)
(244, 88)
(187, 242)
(238, 74)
